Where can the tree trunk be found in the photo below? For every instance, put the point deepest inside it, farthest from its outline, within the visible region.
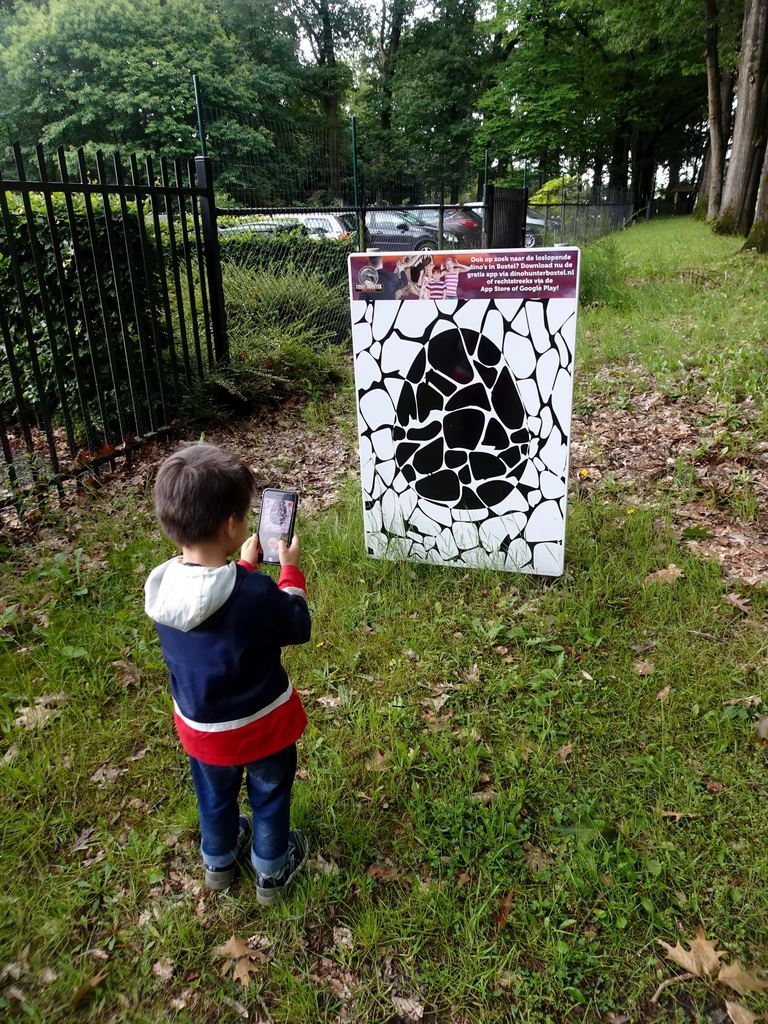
(716, 121)
(737, 208)
(758, 235)
(701, 205)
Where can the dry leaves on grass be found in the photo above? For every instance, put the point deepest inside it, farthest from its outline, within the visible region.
(678, 816)
(761, 727)
(663, 694)
(703, 958)
(742, 981)
(668, 575)
(38, 715)
(383, 873)
(739, 1014)
(743, 604)
(564, 752)
(642, 668)
(163, 968)
(408, 1009)
(244, 957)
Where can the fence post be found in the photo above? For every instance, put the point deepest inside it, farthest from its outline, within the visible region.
(212, 256)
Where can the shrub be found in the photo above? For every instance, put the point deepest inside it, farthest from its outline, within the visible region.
(94, 352)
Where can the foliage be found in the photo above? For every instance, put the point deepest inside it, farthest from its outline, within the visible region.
(327, 257)
(92, 374)
(117, 74)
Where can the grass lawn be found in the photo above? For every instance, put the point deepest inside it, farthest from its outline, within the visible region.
(513, 787)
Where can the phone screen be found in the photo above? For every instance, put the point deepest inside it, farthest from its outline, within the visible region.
(276, 521)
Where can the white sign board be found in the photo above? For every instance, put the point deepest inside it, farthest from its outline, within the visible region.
(464, 378)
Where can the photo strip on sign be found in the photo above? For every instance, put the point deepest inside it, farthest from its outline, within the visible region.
(464, 381)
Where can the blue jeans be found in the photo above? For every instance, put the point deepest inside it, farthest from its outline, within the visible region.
(269, 782)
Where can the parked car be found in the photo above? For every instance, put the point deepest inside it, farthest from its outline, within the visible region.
(540, 229)
(264, 226)
(457, 220)
(393, 230)
(327, 225)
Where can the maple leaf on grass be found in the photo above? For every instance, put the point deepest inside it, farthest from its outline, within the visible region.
(740, 980)
(702, 958)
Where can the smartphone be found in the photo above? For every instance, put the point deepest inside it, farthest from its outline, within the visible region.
(276, 521)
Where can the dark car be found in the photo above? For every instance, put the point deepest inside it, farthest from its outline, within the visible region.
(401, 230)
(457, 220)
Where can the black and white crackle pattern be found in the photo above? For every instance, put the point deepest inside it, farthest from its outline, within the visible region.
(464, 410)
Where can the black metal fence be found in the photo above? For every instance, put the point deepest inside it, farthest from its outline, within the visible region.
(111, 303)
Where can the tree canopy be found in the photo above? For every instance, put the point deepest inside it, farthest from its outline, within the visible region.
(607, 91)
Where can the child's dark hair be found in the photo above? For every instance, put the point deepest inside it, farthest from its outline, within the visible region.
(197, 489)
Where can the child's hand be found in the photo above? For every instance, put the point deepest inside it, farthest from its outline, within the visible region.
(290, 555)
(251, 551)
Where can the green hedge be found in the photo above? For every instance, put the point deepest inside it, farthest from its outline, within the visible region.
(325, 257)
(101, 386)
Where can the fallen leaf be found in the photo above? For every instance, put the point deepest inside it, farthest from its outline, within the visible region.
(163, 968)
(129, 674)
(677, 815)
(535, 859)
(564, 752)
(382, 873)
(233, 948)
(408, 1008)
(668, 575)
(86, 987)
(47, 976)
(740, 980)
(35, 717)
(761, 727)
(739, 1014)
(619, 1018)
(11, 753)
(342, 937)
(484, 796)
(715, 787)
(329, 701)
(703, 955)
(244, 968)
(103, 776)
(501, 915)
(377, 763)
(462, 879)
(742, 603)
(663, 695)
(642, 668)
(753, 701)
(472, 675)
(587, 676)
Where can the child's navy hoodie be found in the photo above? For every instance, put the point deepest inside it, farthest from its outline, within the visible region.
(221, 631)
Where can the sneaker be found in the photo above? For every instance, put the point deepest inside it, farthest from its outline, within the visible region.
(268, 889)
(221, 878)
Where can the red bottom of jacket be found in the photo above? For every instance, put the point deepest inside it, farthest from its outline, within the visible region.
(276, 731)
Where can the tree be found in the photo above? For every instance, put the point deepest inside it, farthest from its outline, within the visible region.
(329, 28)
(117, 73)
(742, 181)
(758, 235)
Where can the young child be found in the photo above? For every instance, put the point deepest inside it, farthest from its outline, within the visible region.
(221, 625)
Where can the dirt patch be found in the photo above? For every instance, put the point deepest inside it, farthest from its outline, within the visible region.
(698, 454)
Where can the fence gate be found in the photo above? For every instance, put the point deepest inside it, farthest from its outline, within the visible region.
(111, 305)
